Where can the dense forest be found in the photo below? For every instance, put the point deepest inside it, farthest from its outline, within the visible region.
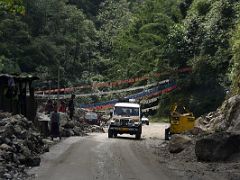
(104, 40)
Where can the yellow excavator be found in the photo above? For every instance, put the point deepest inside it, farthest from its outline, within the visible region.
(181, 120)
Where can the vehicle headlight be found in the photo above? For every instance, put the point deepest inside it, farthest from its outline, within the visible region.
(112, 122)
(131, 122)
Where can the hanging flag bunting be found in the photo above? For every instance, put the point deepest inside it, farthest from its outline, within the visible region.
(111, 84)
(151, 108)
(101, 93)
(149, 101)
(161, 89)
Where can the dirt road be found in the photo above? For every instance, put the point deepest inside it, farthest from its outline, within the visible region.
(97, 157)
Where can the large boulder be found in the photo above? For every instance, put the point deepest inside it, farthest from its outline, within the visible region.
(69, 124)
(32, 161)
(178, 143)
(217, 147)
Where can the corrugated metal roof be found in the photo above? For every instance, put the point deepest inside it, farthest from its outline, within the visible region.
(23, 76)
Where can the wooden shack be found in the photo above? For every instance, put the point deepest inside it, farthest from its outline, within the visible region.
(17, 94)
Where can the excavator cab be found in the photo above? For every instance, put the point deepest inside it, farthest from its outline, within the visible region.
(181, 120)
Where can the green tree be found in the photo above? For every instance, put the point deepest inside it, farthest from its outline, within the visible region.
(66, 40)
(89, 7)
(14, 37)
(142, 43)
(235, 71)
(113, 17)
(12, 6)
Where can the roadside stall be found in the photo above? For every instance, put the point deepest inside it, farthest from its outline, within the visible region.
(17, 94)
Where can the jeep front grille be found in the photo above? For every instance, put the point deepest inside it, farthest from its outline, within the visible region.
(124, 122)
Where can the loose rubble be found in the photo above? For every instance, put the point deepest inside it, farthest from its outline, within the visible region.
(216, 135)
(225, 118)
(215, 145)
(20, 146)
(22, 142)
(178, 143)
(68, 127)
(223, 125)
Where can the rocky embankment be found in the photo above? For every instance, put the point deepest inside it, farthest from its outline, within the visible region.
(21, 142)
(221, 132)
(216, 136)
(224, 119)
(212, 149)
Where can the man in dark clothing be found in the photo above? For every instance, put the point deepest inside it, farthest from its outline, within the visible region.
(55, 123)
(71, 106)
(49, 107)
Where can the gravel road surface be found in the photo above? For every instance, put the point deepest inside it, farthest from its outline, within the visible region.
(97, 157)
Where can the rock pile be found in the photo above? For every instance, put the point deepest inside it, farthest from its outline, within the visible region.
(68, 127)
(76, 127)
(223, 127)
(79, 113)
(20, 146)
(225, 118)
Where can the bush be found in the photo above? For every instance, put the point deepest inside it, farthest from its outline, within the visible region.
(203, 7)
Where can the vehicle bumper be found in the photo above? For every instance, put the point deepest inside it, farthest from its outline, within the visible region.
(124, 130)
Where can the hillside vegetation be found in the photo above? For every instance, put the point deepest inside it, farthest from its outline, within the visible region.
(108, 40)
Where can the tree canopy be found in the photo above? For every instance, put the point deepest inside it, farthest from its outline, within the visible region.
(108, 40)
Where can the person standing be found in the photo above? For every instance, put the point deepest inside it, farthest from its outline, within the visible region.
(62, 107)
(55, 123)
(71, 106)
(49, 107)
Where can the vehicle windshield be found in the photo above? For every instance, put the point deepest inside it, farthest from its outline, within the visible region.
(126, 111)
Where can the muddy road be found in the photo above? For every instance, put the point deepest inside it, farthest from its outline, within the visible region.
(96, 157)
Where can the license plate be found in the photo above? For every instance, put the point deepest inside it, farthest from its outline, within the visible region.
(174, 122)
(124, 129)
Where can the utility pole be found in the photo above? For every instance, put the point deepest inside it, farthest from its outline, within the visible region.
(58, 84)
